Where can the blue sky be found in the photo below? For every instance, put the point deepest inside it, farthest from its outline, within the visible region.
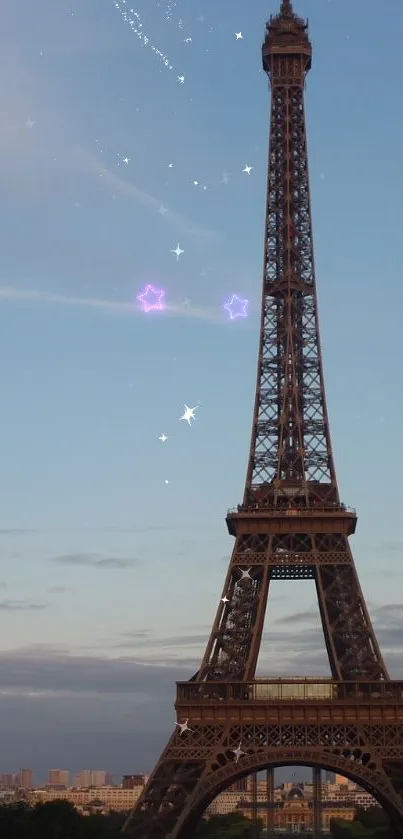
(105, 567)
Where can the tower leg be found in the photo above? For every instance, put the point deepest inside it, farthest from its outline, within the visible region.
(270, 801)
(255, 814)
(317, 802)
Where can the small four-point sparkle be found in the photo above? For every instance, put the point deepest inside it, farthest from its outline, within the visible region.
(184, 727)
(245, 574)
(189, 414)
(238, 36)
(181, 79)
(247, 169)
(177, 251)
(163, 438)
(238, 753)
(225, 599)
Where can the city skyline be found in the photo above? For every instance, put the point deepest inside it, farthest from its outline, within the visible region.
(95, 791)
(291, 802)
(85, 778)
(114, 541)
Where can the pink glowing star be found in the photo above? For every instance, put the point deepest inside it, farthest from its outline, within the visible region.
(236, 307)
(151, 299)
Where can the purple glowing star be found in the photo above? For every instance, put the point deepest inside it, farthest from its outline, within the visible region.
(151, 299)
(236, 307)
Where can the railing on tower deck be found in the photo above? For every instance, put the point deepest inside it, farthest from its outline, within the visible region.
(291, 511)
(292, 690)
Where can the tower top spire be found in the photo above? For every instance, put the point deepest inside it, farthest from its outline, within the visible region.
(286, 8)
(286, 34)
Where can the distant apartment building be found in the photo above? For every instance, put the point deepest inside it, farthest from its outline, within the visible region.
(106, 798)
(91, 778)
(24, 779)
(58, 778)
(239, 786)
(132, 781)
(8, 780)
(82, 778)
(99, 778)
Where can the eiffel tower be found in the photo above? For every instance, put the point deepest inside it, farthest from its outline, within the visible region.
(291, 525)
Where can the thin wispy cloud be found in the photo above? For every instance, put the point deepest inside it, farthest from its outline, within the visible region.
(96, 561)
(138, 633)
(15, 531)
(129, 189)
(113, 307)
(20, 606)
(299, 617)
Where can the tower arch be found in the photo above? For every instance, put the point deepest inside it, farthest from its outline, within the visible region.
(370, 777)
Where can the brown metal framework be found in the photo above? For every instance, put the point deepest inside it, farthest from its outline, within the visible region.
(290, 525)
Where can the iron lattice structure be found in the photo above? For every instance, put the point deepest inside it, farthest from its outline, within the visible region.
(290, 525)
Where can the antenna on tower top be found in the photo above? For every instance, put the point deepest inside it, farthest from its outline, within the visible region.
(286, 8)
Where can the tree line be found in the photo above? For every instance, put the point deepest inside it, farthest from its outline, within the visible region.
(61, 820)
(367, 824)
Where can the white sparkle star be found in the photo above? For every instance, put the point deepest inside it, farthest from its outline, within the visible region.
(29, 123)
(170, 166)
(238, 36)
(238, 753)
(126, 160)
(245, 574)
(189, 414)
(177, 251)
(163, 438)
(181, 79)
(183, 727)
(225, 599)
(195, 183)
(247, 169)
